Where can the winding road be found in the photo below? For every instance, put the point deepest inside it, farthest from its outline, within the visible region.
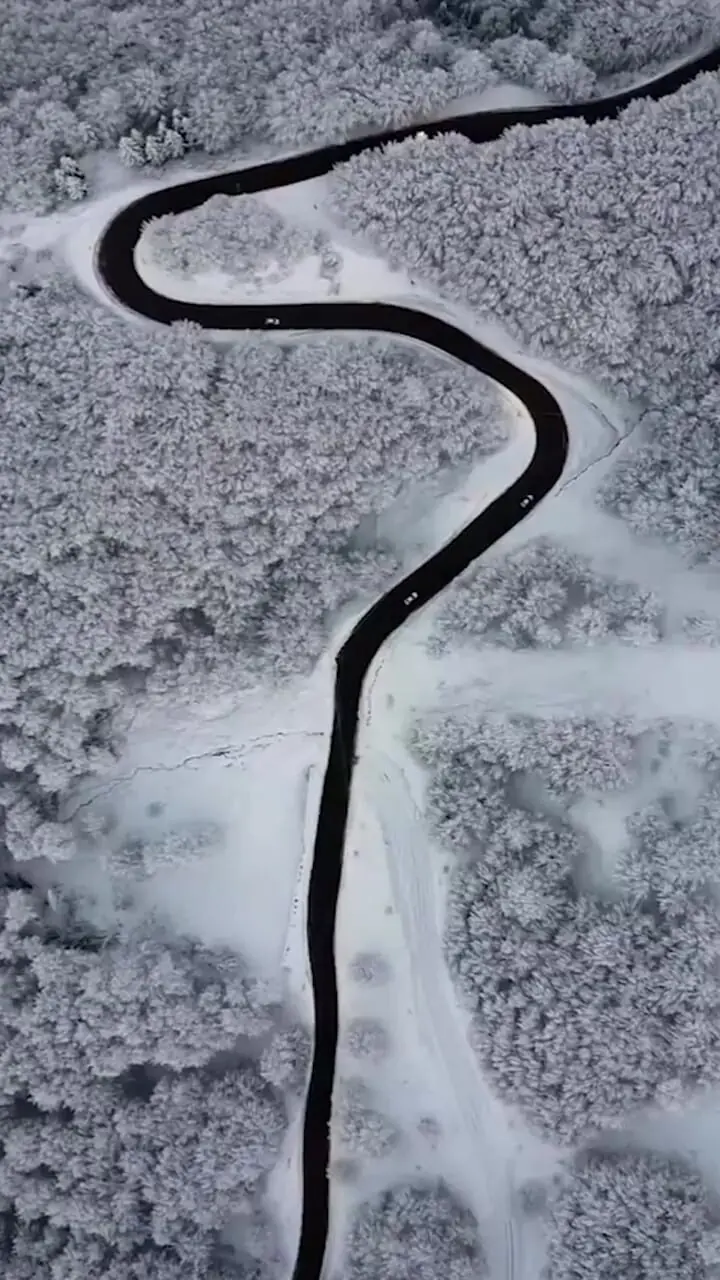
(116, 266)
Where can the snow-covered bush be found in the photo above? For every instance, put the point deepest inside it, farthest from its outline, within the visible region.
(415, 1233)
(370, 969)
(141, 856)
(69, 179)
(362, 1129)
(367, 1038)
(286, 1059)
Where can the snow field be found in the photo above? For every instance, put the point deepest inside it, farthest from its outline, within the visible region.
(672, 680)
(253, 770)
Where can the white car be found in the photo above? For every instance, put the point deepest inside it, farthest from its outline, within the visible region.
(409, 599)
(527, 500)
(271, 320)
(421, 134)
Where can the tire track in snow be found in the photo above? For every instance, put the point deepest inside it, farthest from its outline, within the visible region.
(406, 843)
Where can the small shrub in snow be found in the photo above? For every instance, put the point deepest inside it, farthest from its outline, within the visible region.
(430, 1129)
(144, 856)
(367, 1038)
(370, 969)
(346, 1170)
(532, 1196)
(361, 1128)
(52, 840)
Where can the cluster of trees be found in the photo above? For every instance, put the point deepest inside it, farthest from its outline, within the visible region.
(355, 84)
(542, 596)
(631, 1213)
(596, 246)
(167, 141)
(561, 77)
(672, 854)
(587, 1003)
(419, 1231)
(245, 239)
(173, 511)
(154, 84)
(476, 755)
(141, 1093)
(614, 35)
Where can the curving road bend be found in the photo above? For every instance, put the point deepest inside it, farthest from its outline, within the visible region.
(116, 266)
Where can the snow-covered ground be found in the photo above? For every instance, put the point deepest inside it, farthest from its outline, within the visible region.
(497, 97)
(252, 768)
(257, 767)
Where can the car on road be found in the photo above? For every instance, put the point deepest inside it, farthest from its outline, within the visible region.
(530, 497)
(421, 134)
(409, 599)
(272, 320)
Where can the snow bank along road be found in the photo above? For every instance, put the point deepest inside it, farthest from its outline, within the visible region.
(115, 264)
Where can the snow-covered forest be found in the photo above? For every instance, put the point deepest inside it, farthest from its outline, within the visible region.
(592, 995)
(152, 82)
(160, 542)
(597, 247)
(184, 519)
(632, 1213)
(141, 1098)
(158, 537)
